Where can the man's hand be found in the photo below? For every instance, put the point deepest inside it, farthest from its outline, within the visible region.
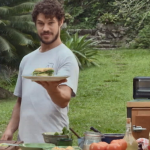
(8, 135)
(60, 94)
(51, 85)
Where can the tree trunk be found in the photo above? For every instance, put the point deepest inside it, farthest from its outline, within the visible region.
(5, 93)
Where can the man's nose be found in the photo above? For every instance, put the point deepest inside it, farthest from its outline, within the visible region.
(46, 27)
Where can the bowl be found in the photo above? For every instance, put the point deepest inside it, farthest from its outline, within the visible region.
(49, 137)
(108, 137)
(64, 142)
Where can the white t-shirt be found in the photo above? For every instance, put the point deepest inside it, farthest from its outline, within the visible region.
(38, 112)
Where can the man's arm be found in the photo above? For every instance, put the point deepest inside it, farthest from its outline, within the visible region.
(60, 94)
(14, 122)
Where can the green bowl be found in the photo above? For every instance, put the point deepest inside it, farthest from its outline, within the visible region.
(64, 142)
(49, 137)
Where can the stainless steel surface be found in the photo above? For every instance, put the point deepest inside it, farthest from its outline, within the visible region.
(138, 128)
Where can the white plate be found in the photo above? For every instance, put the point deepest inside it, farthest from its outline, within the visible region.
(45, 78)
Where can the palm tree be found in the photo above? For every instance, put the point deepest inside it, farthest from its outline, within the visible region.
(16, 30)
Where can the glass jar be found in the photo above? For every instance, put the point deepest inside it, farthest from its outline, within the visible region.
(89, 138)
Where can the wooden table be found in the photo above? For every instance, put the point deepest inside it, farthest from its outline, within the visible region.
(10, 147)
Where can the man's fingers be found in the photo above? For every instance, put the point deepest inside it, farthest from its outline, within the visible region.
(4, 137)
(46, 84)
(62, 81)
(43, 83)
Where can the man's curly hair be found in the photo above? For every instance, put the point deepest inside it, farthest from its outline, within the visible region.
(50, 8)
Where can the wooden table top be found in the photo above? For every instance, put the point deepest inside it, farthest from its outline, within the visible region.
(138, 103)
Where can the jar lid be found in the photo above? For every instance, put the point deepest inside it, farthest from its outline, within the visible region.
(90, 133)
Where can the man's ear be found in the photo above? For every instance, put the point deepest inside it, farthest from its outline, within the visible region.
(61, 22)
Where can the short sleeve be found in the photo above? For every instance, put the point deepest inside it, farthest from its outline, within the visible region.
(18, 87)
(70, 67)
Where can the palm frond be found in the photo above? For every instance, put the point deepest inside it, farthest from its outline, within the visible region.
(23, 26)
(18, 36)
(4, 11)
(26, 17)
(23, 8)
(2, 22)
(84, 50)
(6, 46)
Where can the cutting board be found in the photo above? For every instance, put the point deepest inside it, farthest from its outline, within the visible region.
(10, 147)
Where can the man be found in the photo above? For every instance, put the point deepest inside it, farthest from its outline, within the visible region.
(43, 106)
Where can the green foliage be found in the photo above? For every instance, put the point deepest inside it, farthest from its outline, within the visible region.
(8, 78)
(65, 131)
(143, 38)
(102, 93)
(134, 14)
(108, 18)
(84, 50)
(68, 18)
(17, 33)
(86, 12)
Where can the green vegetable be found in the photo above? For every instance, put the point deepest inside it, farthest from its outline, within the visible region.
(56, 133)
(65, 131)
(49, 72)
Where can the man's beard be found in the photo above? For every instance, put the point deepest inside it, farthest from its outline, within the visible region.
(49, 42)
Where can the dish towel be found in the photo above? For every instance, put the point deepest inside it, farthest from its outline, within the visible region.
(145, 143)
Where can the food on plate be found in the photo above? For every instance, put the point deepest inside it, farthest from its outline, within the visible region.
(60, 148)
(69, 148)
(43, 72)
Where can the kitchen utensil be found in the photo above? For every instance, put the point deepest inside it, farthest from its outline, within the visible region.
(74, 133)
(95, 130)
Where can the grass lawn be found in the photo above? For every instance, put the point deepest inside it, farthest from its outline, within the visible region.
(102, 92)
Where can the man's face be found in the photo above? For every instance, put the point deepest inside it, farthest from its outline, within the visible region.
(48, 29)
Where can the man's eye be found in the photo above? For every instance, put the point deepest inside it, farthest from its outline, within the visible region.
(51, 22)
(40, 23)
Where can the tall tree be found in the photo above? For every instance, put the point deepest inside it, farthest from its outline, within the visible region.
(16, 31)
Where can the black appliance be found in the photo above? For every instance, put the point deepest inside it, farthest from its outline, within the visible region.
(141, 87)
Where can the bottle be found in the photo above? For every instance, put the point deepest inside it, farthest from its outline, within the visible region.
(132, 144)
